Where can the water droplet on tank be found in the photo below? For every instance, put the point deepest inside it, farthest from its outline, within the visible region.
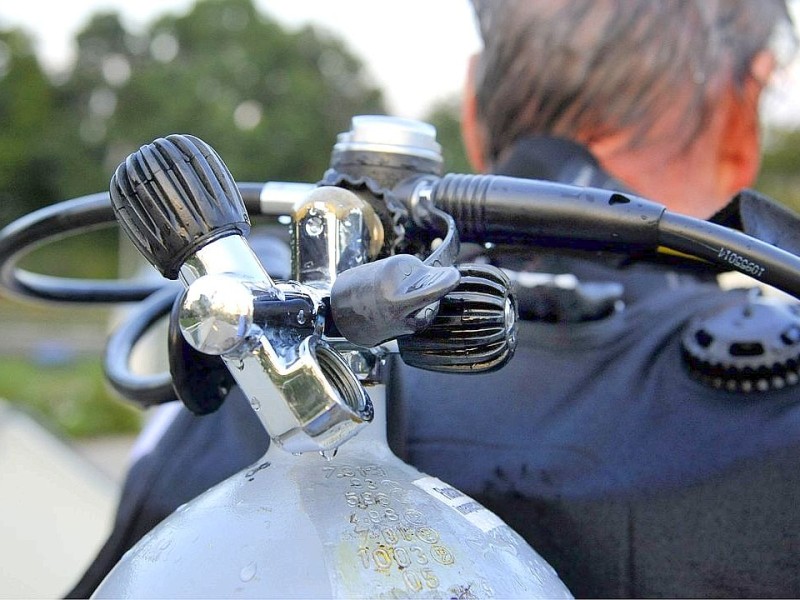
(248, 572)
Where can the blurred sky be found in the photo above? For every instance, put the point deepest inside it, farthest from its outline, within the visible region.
(416, 50)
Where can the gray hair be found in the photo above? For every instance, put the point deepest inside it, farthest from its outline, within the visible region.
(595, 67)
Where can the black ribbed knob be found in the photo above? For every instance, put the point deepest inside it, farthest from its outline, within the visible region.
(750, 347)
(475, 330)
(174, 196)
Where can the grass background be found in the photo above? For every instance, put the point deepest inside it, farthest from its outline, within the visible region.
(42, 369)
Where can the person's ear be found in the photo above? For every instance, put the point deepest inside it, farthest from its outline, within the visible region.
(740, 150)
(472, 129)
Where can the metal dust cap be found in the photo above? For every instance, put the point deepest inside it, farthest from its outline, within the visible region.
(380, 133)
(750, 347)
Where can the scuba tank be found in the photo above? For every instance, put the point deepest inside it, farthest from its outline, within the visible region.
(362, 524)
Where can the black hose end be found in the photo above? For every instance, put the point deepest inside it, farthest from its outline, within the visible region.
(387, 298)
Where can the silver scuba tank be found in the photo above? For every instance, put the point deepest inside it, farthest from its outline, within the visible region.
(360, 525)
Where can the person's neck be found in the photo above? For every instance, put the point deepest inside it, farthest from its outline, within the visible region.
(682, 181)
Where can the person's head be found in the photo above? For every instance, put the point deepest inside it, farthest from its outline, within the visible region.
(649, 86)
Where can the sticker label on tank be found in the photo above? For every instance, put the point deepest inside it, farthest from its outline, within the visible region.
(468, 508)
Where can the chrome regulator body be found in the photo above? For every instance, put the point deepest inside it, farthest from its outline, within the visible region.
(320, 402)
(356, 522)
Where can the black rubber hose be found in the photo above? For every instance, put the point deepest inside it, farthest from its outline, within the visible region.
(71, 217)
(251, 196)
(731, 249)
(144, 390)
(49, 224)
(497, 209)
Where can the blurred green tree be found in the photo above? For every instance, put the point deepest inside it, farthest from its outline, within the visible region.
(268, 100)
(445, 115)
(28, 156)
(780, 166)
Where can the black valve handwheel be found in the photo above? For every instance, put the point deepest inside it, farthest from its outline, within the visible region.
(475, 329)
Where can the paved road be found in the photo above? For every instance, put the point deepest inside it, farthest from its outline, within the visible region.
(30, 339)
(57, 504)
